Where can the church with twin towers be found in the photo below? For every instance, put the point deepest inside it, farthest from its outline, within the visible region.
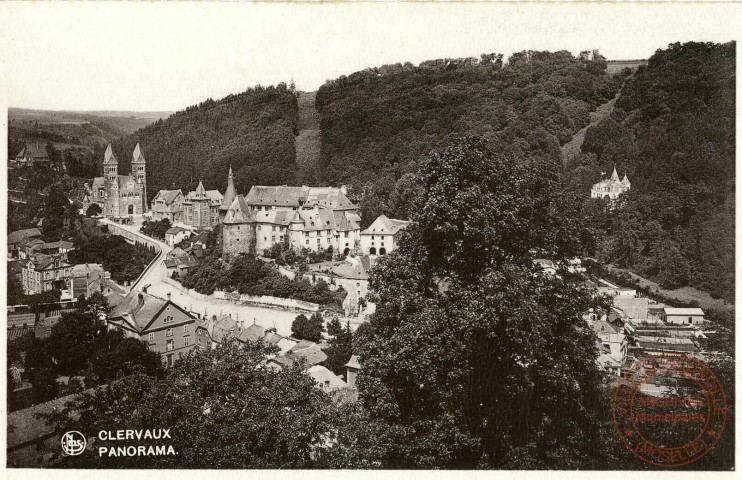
(121, 196)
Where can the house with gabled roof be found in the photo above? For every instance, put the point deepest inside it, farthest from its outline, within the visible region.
(33, 154)
(15, 239)
(164, 326)
(168, 204)
(43, 273)
(381, 237)
(174, 235)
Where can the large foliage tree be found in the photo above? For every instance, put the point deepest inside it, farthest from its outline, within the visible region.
(475, 356)
(225, 409)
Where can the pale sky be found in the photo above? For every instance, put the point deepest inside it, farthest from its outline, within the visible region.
(156, 56)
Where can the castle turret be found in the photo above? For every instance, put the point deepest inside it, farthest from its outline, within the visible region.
(625, 180)
(614, 175)
(229, 196)
(139, 172)
(238, 229)
(111, 184)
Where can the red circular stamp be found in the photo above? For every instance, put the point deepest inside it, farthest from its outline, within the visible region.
(670, 410)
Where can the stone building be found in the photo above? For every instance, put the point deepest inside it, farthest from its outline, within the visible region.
(121, 196)
(238, 229)
(42, 273)
(315, 218)
(611, 188)
(168, 204)
(201, 207)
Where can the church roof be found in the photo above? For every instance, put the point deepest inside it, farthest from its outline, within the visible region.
(137, 156)
(109, 157)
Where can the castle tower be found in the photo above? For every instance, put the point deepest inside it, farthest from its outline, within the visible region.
(139, 172)
(111, 183)
(625, 180)
(229, 196)
(614, 175)
(238, 229)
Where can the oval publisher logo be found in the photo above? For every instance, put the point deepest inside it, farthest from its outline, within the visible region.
(73, 443)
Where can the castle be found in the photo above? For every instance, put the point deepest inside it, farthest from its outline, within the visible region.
(315, 218)
(120, 196)
(611, 188)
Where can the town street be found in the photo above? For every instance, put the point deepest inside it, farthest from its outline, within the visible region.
(265, 317)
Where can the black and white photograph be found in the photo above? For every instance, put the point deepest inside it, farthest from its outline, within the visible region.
(371, 236)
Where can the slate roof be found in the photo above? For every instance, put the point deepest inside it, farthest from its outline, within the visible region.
(57, 245)
(684, 311)
(253, 333)
(137, 315)
(354, 362)
(41, 261)
(322, 374)
(307, 350)
(275, 217)
(239, 212)
(168, 195)
(384, 224)
(33, 150)
(229, 194)
(175, 230)
(285, 196)
(137, 156)
(109, 157)
(344, 269)
(19, 235)
(322, 218)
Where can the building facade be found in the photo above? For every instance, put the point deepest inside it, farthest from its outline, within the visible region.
(315, 218)
(201, 207)
(168, 204)
(42, 273)
(381, 236)
(611, 188)
(165, 327)
(121, 196)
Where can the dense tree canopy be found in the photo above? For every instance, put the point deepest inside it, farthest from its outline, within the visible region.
(475, 356)
(253, 132)
(375, 124)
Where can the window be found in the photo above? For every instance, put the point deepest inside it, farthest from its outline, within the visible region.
(151, 336)
(690, 320)
(258, 227)
(328, 232)
(372, 237)
(168, 345)
(307, 241)
(185, 328)
(318, 240)
(273, 228)
(169, 332)
(186, 341)
(168, 319)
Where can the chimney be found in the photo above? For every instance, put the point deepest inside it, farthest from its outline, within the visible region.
(141, 300)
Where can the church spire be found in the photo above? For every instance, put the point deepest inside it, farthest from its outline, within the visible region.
(625, 179)
(109, 157)
(137, 156)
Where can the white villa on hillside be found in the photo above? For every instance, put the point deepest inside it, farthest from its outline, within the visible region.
(611, 188)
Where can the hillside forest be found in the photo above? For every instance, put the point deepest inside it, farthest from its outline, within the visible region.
(671, 130)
